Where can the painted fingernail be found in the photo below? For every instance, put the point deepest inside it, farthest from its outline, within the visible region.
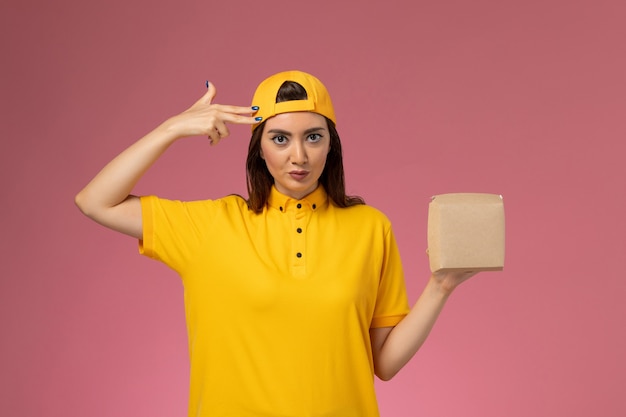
(207, 83)
(258, 119)
(255, 108)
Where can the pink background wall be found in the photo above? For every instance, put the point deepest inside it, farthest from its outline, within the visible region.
(525, 99)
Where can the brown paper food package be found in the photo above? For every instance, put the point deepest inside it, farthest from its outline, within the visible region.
(466, 232)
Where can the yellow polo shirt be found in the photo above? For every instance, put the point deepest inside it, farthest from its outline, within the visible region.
(279, 304)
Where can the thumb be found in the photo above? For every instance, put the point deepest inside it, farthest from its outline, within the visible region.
(210, 94)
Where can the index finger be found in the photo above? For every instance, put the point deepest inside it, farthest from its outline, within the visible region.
(238, 114)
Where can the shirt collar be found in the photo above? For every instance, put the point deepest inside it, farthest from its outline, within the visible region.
(314, 201)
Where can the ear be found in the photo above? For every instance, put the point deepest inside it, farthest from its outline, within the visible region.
(261, 154)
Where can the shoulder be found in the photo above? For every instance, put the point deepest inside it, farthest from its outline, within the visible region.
(229, 200)
(230, 203)
(364, 211)
(364, 215)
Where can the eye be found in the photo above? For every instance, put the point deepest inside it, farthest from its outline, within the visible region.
(279, 139)
(314, 137)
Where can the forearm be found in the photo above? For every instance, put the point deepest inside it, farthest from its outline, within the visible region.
(409, 335)
(115, 182)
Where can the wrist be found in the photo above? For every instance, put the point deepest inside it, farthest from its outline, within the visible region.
(440, 285)
(170, 130)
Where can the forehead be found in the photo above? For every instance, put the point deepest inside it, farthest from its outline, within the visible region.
(296, 121)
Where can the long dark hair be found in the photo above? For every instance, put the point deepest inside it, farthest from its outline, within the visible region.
(259, 179)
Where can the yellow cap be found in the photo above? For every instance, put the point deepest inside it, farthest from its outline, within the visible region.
(318, 99)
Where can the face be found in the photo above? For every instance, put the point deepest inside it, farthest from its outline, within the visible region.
(294, 147)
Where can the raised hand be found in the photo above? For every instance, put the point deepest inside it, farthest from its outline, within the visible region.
(205, 118)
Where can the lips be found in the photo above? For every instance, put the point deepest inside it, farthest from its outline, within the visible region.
(298, 175)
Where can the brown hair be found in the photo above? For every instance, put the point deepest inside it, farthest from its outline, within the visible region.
(259, 179)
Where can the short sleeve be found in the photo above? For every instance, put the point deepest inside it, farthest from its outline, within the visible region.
(173, 231)
(391, 301)
(146, 244)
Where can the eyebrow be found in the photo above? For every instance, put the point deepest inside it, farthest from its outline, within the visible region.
(287, 133)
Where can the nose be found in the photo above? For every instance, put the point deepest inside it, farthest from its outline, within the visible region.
(298, 153)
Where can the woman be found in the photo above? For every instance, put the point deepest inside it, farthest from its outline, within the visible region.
(295, 297)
